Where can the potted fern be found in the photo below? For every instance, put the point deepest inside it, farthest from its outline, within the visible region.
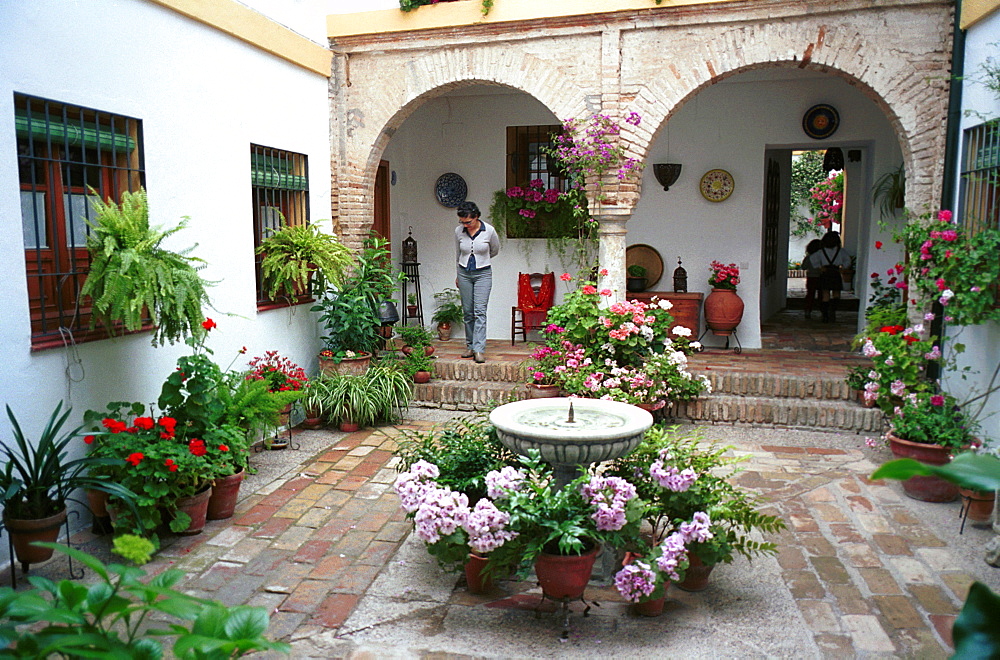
(133, 278)
(299, 259)
(449, 312)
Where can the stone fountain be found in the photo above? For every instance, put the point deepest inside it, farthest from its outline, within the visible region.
(571, 433)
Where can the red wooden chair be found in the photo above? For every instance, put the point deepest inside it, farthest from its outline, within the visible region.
(535, 295)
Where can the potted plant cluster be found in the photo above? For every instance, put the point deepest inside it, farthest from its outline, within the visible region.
(38, 479)
(353, 401)
(350, 313)
(415, 338)
(448, 312)
(300, 259)
(279, 375)
(418, 366)
(624, 352)
(133, 280)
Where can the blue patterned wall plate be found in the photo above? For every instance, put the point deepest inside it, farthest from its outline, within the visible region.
(450, 190)
(821, 121)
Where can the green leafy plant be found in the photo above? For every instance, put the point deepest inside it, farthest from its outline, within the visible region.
(410, 5)
(379, 395)
(807, 171)
(415, 336)
(416, 361)
(38, 479)
(132, 276)
(933, 419)
(449, 307)
(889, 192)
(120, 616)
(298, 259)
(635, 270)
(668, 453)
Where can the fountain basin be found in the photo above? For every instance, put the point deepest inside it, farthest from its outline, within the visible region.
(600, 430)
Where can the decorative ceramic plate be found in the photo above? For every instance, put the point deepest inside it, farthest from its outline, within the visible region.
(646, 256)
(821, 121)
(716, 185)
(450, 190)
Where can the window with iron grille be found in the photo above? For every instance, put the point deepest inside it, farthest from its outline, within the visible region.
(979, 192)
(280, 186)
(528, 160)
(66, 155)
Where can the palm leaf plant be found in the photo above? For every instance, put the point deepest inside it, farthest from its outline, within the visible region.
(297, 258)
(132, 276)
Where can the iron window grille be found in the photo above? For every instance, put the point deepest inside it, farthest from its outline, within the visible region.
(280, 187)
(979, 190)
(65, 155)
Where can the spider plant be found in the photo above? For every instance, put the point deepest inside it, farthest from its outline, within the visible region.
(377, 396)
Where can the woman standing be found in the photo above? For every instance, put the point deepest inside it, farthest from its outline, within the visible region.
(812, 275)
(829, 261)
(476, 243)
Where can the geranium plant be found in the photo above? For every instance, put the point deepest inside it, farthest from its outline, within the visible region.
(899, 361)
(724, 276)
(688, 488)
(534, 211)
(280, 373)
(953, 266)
(826, 199)
(932, 418)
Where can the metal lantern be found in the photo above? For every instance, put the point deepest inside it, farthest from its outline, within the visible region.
(409, 248)
(680, 278)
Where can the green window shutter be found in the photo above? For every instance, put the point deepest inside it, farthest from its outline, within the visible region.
(272, 179)
(37, 126)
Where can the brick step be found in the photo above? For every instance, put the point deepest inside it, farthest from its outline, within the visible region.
(781, 412)
(820, 386)
(464, 394)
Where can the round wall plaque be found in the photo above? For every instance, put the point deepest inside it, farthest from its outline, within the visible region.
(821, 121)
(450, 190)
(716, 185)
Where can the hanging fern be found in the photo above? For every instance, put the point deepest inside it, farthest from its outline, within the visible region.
(131, 276)
(299, 256)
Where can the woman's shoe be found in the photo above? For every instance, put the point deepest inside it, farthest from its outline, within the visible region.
(469, 353)
(480, 358)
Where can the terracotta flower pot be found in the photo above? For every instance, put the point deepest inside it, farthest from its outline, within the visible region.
(651, 607)
(25, 532)
(421, 377)
(196, 507)
(97, 501)
(355, 365)
(444, 331)
(565, 576)
(348, 427)
(978, 504)
(696, 577)
(312, 423)
(924, 488)
(478, 583)
(542, 391)
(723, 311)
(225, 492)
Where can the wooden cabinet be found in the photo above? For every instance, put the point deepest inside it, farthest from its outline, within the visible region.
(686, 308)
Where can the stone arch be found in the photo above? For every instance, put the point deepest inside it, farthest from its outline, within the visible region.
(439, 72)
(910, 87)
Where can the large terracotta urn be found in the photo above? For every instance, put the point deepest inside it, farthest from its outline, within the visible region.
(723, 311)
(925, 488)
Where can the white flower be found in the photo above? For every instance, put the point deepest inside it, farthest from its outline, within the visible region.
(695, 345)
(665, 304)
(682, 331)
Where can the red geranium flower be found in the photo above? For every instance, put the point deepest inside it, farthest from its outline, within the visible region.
(168, 424)
(197, 447)
(170, 464)
(89, 439)
(208, 324)
(565, 277)
(878, 245)
(144, 423)
(223, 447)
(135, 458)
(114, 425)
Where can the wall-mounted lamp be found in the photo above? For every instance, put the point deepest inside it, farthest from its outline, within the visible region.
(667, 173)
(833, 159)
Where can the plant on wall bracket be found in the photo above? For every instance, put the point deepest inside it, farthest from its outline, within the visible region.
(410, 5)
(133, 278)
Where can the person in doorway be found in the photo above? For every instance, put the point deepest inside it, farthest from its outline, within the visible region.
(829, 261)
(812, 275)
(476, 243)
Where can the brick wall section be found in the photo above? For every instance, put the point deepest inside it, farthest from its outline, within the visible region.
(898, 54)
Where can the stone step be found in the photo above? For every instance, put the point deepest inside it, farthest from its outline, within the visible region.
(820, 386)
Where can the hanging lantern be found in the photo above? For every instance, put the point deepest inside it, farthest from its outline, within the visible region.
(833, 159)
(680, 278)
(409, 248)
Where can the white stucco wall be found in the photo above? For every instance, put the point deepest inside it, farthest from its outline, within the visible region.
(203, 98)
(729, 125)
(983, 341)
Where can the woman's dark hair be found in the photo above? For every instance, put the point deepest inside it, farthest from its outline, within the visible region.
(468, 210)
(831, 239)
(815, 245)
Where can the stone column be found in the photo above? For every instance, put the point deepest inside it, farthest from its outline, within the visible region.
(611, 251)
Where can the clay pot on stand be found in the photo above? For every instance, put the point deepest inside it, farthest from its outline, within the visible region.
(225, 492)
(924, 488)
(565, 576)
(723, 311)
(696, 577)
(542, 391)
(23, 533)
(444, 331)
(478, 583)
(978, 504)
